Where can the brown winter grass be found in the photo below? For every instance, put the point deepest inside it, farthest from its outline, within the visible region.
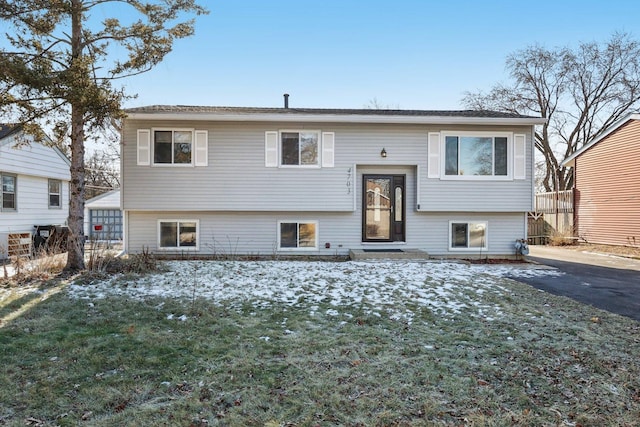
(547, 361)
(624, 251)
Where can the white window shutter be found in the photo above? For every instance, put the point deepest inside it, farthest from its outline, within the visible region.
(201, 148)
(144, 147)
(271, 149)
(519, 156)
(434, 155)
(328, 148)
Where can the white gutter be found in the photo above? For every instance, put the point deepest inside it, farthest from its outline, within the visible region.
(336, 118)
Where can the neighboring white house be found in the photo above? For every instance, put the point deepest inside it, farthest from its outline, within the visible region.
(35, 189)
(302, 181)
(103, 217)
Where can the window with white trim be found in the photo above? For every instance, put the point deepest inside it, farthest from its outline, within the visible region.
(468, 235)
(178, 234)
(297, 235)
(299, 148)
(172, 146)
(55, 193)
(482, 154)
(9, 187)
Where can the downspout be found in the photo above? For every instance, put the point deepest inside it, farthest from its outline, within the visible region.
(125, 214)
(574, 197)
(125, 233)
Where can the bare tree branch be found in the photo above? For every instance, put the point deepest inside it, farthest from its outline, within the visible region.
(60, 68)
(579, 91)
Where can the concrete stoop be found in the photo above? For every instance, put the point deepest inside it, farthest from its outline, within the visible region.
(395, 254)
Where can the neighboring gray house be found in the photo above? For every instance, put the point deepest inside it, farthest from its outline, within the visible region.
(35, 189)
(301, 181)
(103, 217)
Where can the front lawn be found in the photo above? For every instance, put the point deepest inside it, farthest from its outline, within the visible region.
(314, 343)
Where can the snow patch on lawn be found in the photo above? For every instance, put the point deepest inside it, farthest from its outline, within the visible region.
(394, 288)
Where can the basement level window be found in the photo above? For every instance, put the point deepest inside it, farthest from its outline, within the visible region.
(297, 235)
(468, 235)
(178, 234)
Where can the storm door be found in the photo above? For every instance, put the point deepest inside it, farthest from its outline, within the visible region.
(383, 212)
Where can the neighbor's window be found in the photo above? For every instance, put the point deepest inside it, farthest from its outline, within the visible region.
(298, 235)
(9, 192)
(476, 155)
(172, 146)
(55, 193)
(299, 148)
(178, 234)
(468, 235)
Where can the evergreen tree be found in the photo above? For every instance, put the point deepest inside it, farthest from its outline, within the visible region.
(61, 66)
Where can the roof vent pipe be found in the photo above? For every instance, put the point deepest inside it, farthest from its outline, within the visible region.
(286, 100)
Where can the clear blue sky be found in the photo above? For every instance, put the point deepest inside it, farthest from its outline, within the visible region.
(410, 54)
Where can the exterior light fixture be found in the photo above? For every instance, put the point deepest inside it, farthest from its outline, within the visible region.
(383, 153)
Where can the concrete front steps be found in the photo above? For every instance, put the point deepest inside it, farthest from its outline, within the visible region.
(397, 254)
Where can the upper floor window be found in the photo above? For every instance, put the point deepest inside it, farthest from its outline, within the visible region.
(55, 193)
(476, 155)
(299, 148)
(172, 146)
(9, 192)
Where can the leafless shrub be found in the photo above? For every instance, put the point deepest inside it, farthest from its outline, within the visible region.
(563, 237)
(144, 262)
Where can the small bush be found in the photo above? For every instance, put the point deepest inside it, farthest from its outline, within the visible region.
(563, 238)
(142, 263)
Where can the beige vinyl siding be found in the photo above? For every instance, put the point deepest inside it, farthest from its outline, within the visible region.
(236, 178)
(255, 233)
(487, 195)
(608, 189)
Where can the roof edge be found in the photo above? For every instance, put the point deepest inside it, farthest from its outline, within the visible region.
(326, 117)
(18, 129)
(101, 196)
(570, 161)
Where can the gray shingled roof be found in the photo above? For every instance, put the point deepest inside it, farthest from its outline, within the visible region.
(330, 111)
(6, 130)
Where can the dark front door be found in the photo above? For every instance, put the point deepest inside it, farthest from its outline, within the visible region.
(383, 211)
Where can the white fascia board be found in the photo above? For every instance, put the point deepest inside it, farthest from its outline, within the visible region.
(337, 118)
(62, 155)
(110, 193)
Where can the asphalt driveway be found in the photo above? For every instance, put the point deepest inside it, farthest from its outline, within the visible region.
(608, 282)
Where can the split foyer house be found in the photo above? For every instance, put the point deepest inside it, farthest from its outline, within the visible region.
(607, 185)
(35, 189)
(302, 181)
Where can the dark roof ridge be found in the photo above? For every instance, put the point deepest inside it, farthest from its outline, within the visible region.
(336, 111)
(7, 129)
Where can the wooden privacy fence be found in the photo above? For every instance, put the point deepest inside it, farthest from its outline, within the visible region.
(554, 202)
(553, 215)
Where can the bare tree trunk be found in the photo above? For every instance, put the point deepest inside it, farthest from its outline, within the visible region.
(75, 245)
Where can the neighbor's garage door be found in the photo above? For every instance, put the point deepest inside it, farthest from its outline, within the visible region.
(106, 224)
